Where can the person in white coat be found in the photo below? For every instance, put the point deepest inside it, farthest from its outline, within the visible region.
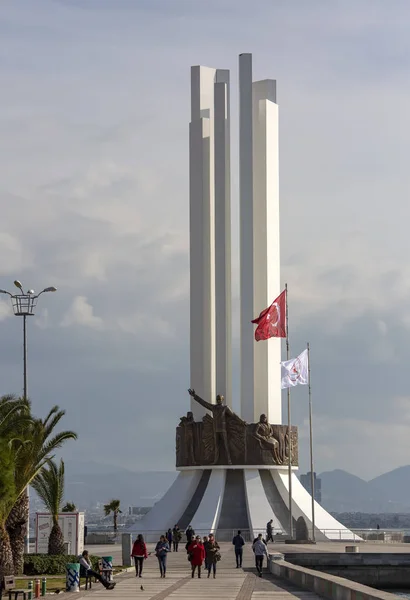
(260, 550)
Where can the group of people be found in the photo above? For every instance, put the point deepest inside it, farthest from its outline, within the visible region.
(259, 548)
(200, 551)
(173, 537)
(203, 551)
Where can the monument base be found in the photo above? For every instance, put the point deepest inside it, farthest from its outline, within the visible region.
(224, 500)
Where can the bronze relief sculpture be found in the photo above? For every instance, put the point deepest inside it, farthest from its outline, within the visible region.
(226, 439)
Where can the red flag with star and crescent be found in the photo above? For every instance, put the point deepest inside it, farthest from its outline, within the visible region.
(272, 321)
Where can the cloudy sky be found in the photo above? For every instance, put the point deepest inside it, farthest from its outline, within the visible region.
(94, 111)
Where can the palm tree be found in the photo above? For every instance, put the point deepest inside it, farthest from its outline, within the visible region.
(11, 410)
(7, 490)
(32, 452)
(69, 507)
(49, 485)
(113, 507)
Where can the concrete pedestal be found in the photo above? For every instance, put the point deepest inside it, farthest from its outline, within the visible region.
(126, 546)
(225, 499)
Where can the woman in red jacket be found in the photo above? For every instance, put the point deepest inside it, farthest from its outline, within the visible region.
(139, 552)
(196, 553)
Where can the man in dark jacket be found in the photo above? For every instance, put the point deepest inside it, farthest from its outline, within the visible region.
(239, 543)
(190, 533)
(269, 531)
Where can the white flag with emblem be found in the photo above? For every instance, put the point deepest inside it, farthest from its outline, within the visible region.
(295, 371)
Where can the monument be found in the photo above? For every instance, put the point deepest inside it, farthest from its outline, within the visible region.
(234, 468)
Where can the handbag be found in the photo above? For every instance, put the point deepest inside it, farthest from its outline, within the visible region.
(218, 556)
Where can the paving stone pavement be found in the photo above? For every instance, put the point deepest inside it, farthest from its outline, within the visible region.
(230, 583)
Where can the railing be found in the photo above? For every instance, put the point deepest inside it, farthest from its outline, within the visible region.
(376, 536)
(368, 536)
(381, 536)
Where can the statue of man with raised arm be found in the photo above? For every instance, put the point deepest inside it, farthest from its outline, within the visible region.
(219, 412)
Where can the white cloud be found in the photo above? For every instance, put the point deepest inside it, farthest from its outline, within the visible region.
(81, 313)
(42, 320)
(359, 446)
(147, 326)
(13, 257)
(5, 310)
(94, 198)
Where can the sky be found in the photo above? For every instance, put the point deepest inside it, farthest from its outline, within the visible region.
(94, 113)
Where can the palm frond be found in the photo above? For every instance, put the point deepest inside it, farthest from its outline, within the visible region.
(49, 485)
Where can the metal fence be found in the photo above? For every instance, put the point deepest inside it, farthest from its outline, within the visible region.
(376, 536)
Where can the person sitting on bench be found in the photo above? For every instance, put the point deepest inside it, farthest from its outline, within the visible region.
(85, 563)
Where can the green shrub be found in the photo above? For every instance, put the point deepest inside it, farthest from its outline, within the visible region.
(44, 564)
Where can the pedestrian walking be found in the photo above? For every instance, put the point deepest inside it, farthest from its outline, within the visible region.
(139, 554)
(204, 541)
(212, 554)
(238, 543)
(269, 531)
(161, 551)
(190, 534)
(176, 537)
(196, 555)
(168, 535)
(260, 550)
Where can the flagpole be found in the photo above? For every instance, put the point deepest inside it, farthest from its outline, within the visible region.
(312, 478)
(289, 423)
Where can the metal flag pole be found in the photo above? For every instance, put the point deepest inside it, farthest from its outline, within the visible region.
(312, 476)
(289, 422)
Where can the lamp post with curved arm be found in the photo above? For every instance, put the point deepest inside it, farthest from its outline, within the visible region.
(24, 304)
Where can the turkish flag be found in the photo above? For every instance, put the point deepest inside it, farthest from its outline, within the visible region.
(272, 321)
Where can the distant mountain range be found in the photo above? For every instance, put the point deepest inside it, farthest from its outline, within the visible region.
(90, 482)
(388, 493)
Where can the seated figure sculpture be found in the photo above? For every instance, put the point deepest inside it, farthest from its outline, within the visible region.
(265, 436)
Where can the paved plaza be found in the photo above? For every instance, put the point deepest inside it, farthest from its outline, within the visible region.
(230, 583)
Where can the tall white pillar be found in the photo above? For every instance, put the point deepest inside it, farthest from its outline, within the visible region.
(202, 236)
(259, 241)
(210, 235)
(246, 237)
(266, 246)
(202, 313)
(223, 312)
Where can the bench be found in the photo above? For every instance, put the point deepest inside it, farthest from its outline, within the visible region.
(88, 579)
(107, 573)
(8, 585)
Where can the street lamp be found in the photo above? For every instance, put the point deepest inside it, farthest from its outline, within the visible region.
(24, 305)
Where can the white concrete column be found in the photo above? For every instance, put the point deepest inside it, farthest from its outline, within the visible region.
(202, 237)
(210, 236)
(202, 277)
(259, 241)
(246, 237)
(223, 318)
(266, 246)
